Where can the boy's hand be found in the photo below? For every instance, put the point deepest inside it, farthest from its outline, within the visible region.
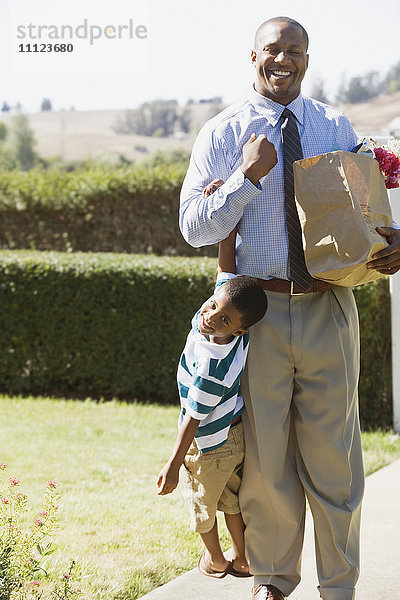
(259, 157)
(211, 187)
(167, 479)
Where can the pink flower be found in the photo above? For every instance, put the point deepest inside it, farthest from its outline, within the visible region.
(389, 164)
(52, 484)
(43, 513)
(38, 522)
(35, 582)
(55, 506)
(5, 500)
(3, 466)
(67, 576)
(14, 481)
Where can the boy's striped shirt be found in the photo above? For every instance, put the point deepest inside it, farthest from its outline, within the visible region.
(209, 384)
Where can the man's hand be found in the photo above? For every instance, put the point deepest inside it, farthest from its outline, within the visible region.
(259, 157)
(387, 261)
(167, 479)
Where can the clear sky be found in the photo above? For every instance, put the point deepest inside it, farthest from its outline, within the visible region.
(193, 49)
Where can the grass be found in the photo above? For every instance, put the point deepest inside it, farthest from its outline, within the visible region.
(126, 540)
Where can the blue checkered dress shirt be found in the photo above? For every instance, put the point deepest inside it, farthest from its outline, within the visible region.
(259, 212)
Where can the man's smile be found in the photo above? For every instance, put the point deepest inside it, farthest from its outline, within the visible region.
(280, 74)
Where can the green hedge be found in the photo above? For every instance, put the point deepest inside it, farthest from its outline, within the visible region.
(373, 301)
(112, 325)
(96, 324)
(99, 209)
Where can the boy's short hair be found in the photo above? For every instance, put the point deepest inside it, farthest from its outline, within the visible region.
(247, 297)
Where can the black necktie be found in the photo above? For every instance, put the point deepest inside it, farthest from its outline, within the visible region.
(292, 151)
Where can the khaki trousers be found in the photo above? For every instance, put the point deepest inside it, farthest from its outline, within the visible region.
(303, 440)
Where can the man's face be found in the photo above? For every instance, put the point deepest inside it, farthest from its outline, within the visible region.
(281, 61)
(219, 318)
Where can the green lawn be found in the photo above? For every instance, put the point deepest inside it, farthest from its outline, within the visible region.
(126, 540)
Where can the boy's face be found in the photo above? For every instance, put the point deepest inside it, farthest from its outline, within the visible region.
(219, 318)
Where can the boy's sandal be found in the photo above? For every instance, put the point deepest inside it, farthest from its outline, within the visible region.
(206, 569)
(239, 573)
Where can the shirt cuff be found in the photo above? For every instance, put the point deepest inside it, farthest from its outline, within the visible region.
(223, 277)
(239, 189)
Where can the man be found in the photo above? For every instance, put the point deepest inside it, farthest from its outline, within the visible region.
(300, 388)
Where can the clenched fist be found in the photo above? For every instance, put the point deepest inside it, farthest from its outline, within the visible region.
(259, 157)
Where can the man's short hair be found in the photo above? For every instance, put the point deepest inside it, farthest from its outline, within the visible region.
(280, 20)
(247, 297)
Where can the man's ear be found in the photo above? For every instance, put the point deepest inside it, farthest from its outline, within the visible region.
(253, 57)
(240, 332)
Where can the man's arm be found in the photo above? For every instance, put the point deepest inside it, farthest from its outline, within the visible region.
(169, 475)
(205, 221)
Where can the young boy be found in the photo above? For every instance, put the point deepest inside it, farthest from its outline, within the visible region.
(209, 449)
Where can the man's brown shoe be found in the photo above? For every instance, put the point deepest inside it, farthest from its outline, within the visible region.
(266, 592)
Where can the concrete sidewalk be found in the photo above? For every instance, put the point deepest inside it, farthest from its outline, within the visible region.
(380, 548)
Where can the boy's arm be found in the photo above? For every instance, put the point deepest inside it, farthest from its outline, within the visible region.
(169, 475)
(226, 254)
(226, 247)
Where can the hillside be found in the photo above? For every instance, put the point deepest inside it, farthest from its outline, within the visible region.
(75, 135)
(372, 118)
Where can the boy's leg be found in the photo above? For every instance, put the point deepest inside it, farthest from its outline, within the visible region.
(236, 527)
(208, 482)
(216, 558)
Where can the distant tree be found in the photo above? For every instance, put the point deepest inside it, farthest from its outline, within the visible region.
(7, 158)
(18, 106)
(46, 105)
(6, 107)
(318, 90)
(360, 88)
(3, 132)
(23, 142)
(159, 132)
(158, 118)
(141, 148)
(393, 79)
(213, 100)
(216, 107)
(185, 119)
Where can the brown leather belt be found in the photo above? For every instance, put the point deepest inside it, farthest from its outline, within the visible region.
(288, 287)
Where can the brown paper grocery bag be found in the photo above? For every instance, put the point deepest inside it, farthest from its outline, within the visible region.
(341, 197)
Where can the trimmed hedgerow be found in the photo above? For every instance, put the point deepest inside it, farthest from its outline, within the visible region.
(373, 301)
(96, 324)
(98, 209)
(113, 326)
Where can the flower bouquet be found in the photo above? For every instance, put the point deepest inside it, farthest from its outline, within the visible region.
(388, 157)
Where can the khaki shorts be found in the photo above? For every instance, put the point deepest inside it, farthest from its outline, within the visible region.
(210, 481)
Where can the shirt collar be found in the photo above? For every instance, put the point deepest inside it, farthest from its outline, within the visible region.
(273, 111)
